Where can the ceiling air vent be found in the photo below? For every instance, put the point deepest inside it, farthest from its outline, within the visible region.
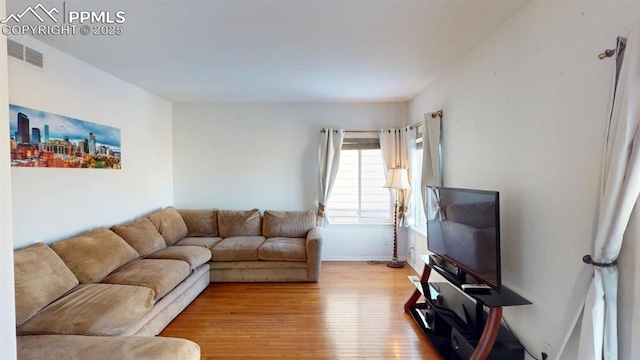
(15, 49)
(33, 57)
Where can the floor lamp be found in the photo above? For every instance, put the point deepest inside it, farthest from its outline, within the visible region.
(397, 179)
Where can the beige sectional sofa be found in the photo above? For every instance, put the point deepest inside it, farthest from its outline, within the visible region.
(117, 288)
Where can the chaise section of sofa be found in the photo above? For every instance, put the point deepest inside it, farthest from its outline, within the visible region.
(75, 347)
(73, 306)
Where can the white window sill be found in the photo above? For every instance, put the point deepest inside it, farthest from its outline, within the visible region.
(419, 231)
(339, 225)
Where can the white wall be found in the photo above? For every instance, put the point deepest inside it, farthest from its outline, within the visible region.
(524, 114)
(241, 156)
(7, 310)
(51, 204)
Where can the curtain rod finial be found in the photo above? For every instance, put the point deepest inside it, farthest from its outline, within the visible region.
(605, 54)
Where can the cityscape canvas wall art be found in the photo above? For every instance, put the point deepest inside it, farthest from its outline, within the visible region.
(41, 139)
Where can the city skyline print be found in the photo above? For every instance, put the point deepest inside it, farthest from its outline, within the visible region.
(42, 139)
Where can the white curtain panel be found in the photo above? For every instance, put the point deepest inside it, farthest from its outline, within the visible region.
(634, 351)
(430, 158)
(595, 293)
(330, 147)
(393, 144)
(389, 145)
(408, 141)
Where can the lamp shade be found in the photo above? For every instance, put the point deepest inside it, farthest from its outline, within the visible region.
(397, 179)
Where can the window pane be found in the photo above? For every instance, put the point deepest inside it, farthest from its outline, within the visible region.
(358, 194)
(344, 195)
(420, 219)
(375, 198)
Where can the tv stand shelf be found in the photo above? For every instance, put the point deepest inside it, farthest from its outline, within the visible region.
(456, 321)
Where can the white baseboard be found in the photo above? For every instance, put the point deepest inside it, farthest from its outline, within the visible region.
(415, 267)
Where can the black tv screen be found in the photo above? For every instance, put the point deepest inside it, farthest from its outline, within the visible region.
(463, 228)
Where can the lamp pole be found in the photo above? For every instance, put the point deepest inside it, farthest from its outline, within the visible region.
(394, 263)
(397, 180)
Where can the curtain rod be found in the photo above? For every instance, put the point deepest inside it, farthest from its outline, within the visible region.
(352, 131)
(356, 131)
(433, 115)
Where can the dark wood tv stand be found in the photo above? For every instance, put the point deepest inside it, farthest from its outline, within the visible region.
(471, 332)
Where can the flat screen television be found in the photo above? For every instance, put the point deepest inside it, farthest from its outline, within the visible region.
(463, 229)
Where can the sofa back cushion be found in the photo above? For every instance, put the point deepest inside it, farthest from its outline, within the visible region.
(93, 255)
(141, 235)
(169, 224)
(239, 223)
(292, 224)
(40, 278)
(200, 222)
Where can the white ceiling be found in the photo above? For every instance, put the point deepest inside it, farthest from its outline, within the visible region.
(283, 50)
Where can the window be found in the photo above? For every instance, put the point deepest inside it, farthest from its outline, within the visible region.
(358, 195)
(420, 220)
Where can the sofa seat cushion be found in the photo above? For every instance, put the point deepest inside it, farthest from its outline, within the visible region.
(169, 224)
(292, 224)
(239, 223)
(253, 265)
(193, 255)
(283, 249)
(206, 242)
(159, 275)
(93, 255)
(200, 222)
(40, 278)
(141, 235)
(77, 347)
(237, 248)
(92, 309)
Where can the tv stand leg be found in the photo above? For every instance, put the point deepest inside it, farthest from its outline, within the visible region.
(489, 334)
(413, 300)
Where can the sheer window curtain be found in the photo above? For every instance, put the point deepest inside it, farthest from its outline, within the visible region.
(408, 141)
(395, 154)
(329, 157)
(595, 292)
(431, 175)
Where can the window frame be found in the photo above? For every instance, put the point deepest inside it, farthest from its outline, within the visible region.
(360, 144)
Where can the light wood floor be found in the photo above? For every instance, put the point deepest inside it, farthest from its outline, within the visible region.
(354, 312)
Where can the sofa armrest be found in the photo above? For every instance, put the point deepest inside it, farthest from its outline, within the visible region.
(314, 252)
